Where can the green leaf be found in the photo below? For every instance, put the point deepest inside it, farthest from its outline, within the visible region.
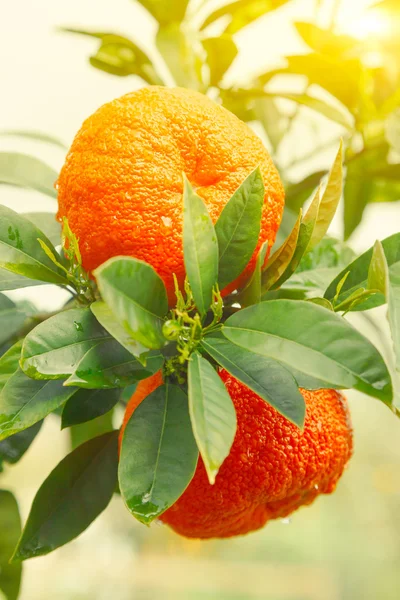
(321, 302)
(25, 401)
(358, 274)
(9, 362)
(166, 12)
(324, 40)
(14, 447)
(71, 498)
(212, 414)
(106, 318)
(136, 296)
(313, 340)
(21, 252)
(317, 105)
(200, 248)
(34, 135)
(10, 527)
(109, 365)
(27, 171)
(393, 130)
(79, 434)
(281, 258)
(221, 52)
(378, 270)
(53, 349)
(181, 50)
(87, 405)
(11, 318)
(120, 56)
(251, 294)
(238, 228)
(242, 13)
(12, 281)
(158, 453)
(298, 193)
(47, 223)
(393, 297)
(266, 377)
(268, 112)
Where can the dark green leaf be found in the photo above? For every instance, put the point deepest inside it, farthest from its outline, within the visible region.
(242, 13)
(221, 52)
(238, 228)
(120, 56)
(313, 340)
(53, 349)
(136, 296)
(10, 527)
(106, 318)
(87, 405)
(251, 294)
(74, 494)
(25, 401)
(14, 447)
(200, 248)
(158, 453)
(358, 274)
(9, 363)
(110, 365)
(212, 414)
(21, 252)
(266, 377)
(79, 434)
(11, 318)
(27, 171)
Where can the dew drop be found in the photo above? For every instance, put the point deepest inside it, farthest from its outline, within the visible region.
(167, 221)
(316, 486)
(78, 326)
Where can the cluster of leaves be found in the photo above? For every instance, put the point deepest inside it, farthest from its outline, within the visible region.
(81, 361)
(361, 98)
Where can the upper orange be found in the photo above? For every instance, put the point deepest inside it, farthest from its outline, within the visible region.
(121, 185)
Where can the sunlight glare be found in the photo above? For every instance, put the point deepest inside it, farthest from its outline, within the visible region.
(370, 24)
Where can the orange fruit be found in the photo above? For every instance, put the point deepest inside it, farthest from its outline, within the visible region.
(273, 468)
(121, 185)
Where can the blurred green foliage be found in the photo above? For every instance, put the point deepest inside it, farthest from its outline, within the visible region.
(343, 79)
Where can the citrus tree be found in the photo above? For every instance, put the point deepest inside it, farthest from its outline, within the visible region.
(230, 354)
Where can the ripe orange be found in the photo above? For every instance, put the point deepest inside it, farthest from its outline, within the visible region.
(121, 185)
(273, 468)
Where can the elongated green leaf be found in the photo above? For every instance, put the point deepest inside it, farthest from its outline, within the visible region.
(34, 135)
(221, 52)
(180, 49)
(266, 377)
(79, 434)
(136, 296)
(120, 56)
(53, 349)
(9, 362)
(200, 248)
(313, 340)
(110, 365)
(317, 105)
(14, 447)
(25, 401)
(106, 318)
(324, 40)
(298, 193)
(173, 11)
(20, 251)
(158, 453)
(378, 270)
(212, 414)
(27, 171)
(238, 228)
(242, 13)
(251, 294)
(10, 527)
(394, 309)
(11, 318)
(87, 405)
(74, 494)
(281, 258)
(358, 274)
(12, 281)
(47, 223)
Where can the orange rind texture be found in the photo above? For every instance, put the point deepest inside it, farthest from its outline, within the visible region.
(273, 467)
(121, 185)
